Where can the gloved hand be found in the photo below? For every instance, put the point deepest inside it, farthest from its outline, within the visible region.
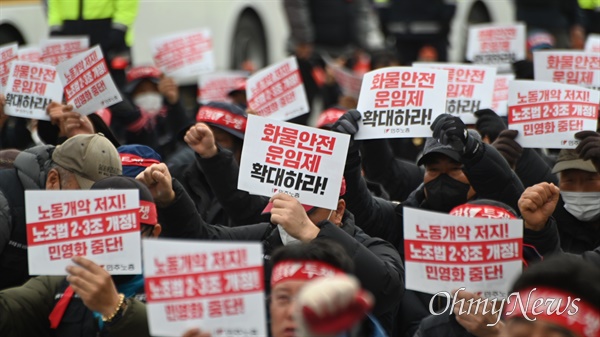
(330, 306)
(116, 40)
(348, 124)
(508, 147)
(451, 130)
(589, 147)
(489, 124)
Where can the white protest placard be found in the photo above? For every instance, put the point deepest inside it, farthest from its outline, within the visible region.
(30, 54)
(277, 91)
(445, 252)
(306, 163)
(348, 80)
(218, 286)
(401, 102)
(31, 87)
(569, 67)
(592, 44)
(87, 82)
(184, 54)
(101, 225)
(58, 50)
(549, 114)
(470, 88)
(8, 53)
(215, 87)
(496, 44)
(500, 98)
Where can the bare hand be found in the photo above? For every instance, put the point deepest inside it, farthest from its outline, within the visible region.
(202, 140)
(70, 123)
(169, 89)
(289, 213)
(477, 320)
(158, 179)
(537, 204)
(94, 285)
(196, 333)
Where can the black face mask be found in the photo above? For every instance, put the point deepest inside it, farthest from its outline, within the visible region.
(445, 193)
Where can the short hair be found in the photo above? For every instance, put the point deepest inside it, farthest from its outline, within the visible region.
(322, 250)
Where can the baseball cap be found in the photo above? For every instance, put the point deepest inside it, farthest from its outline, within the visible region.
(539, 40)
(329, 116)
(307, 208)
(148, 215)
(568, 159)
(135, 158)
(89, 157)
(432, 145)
(137, 74)
(225, 116)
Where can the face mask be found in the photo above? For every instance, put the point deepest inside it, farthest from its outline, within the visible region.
(584, 206)
(445, 193)
(36, 137)
(150, 102)
(286, 238)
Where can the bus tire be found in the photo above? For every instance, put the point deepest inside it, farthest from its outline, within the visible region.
(249, 42)
(8, 34)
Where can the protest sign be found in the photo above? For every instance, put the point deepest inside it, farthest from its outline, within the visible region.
(304, 162)
(592, 44)
(348, 80)
(8, 53)
(549, 114)
(569, 67)
(30, 54)
(101, 225)
(87, 82)
(470, 88)
(31, 87)
(445, 252)
(184, 54)
(218, 286)
(216, 86)
(496, 44)
(500, 97)
(58, 50)
(277, 91)
(401, 102)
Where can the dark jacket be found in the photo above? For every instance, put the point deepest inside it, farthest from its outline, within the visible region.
(378, 265)
(14, 134)
(533, 169)
(576, 236)
(31, 168)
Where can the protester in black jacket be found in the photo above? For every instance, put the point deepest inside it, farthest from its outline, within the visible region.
(378, 265)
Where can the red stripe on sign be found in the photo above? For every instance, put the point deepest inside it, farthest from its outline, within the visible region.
(463, 253)
(202, 285)
(84, 227)
(285, 90)
(548, 115)
(89, 70)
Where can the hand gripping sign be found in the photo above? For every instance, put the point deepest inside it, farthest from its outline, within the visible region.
(58, 50)
(445, 252)
(217, 86)
(87, 82)
(218, 286)
(277, 91)
(497, 45)
(184, 54)
(101, 225)
(569, 67)
(31, 87)
(550, 114)
(470, 88)
(304, 162)
(401, 102)
(348, 80)
(8, 54)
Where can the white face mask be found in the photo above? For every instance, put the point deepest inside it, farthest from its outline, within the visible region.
(150, 102)
(584, 206)
(287, 239)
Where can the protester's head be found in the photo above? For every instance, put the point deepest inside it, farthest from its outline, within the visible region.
(295, 266)
(446, 185)
(82, 160)
(579, 184)
(485, 208)
(227, 122)
(538, 39)
(7, 158)
(237, 94)
(562, 294)
(135, 158)
(142, 86)
(328, 117)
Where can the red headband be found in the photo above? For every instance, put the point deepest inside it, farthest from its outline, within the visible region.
(559, 308)
(302, 271)
(133, 160)
(482, 211)
(221, 117)
(148, 215)
(143, 72)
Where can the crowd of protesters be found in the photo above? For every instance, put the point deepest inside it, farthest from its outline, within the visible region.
(187, 166)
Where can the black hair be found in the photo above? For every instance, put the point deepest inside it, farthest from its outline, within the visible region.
(321, 250)
(568, 273)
